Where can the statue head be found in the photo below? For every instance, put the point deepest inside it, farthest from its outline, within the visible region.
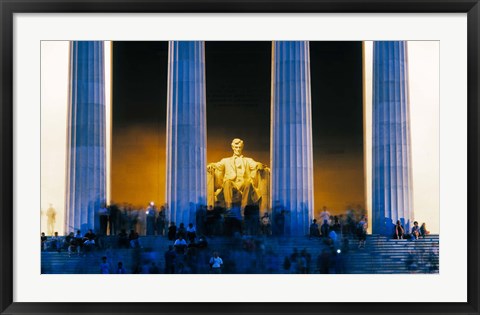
(237, 146)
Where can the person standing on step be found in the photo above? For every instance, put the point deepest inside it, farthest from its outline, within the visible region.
(216, 263)
(55, 242)
(399, 231)
(191, 233)
(314, 232)
(170, 260)
(266, 227)
(43, 241)
(104, 266)
(103, 217)
(415, 230)
(114, 218)
(362, 232)
(161, 220)
(120, 268)
(150, 214)
(134, 239)
(325, 229)
(172, 231)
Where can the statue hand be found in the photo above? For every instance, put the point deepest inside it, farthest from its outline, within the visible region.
(260, 167)
(210, 167)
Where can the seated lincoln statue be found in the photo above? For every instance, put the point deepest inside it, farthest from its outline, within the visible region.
(238, 180)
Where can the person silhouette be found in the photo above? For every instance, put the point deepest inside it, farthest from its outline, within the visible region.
(51, 219)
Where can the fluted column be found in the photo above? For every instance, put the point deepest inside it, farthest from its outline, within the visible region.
(291, 129)
(392, 180)
(86, 171)
(186, 130)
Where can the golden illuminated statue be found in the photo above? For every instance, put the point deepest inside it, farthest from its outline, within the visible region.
(238, 180)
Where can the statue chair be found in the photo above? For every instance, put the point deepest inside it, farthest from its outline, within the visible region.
(261, 182)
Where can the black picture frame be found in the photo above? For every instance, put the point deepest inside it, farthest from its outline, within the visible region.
(9, 7)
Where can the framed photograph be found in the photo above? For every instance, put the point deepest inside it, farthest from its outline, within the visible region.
(252, 157)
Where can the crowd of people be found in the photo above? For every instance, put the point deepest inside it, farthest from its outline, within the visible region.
(144, 221)
(339, 228)
(73, 243)
(188, 247)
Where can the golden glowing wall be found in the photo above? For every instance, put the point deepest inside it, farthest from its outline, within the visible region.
(138, 168)
(138, 122)
(338, 183)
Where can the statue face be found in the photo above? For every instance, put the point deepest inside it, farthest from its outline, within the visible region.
(237, 149)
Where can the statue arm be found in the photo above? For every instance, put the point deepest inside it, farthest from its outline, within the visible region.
(215, 172)
(256, 166)
(219, 166)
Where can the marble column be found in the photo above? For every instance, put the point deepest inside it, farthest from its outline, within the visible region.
(86, 171)
(392, 180)
(186, 130)
(291, 130)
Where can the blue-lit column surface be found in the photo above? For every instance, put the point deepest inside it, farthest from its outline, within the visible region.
(186, 130)
(392, 180)
(86, 171)
(291, 130)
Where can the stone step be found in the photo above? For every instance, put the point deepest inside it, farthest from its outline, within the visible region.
(381, 255)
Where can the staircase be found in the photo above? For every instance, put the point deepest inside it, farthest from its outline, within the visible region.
(389, 256)
(380, 256)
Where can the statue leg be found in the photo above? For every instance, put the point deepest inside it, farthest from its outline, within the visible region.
(228, 187)
(249, 194)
